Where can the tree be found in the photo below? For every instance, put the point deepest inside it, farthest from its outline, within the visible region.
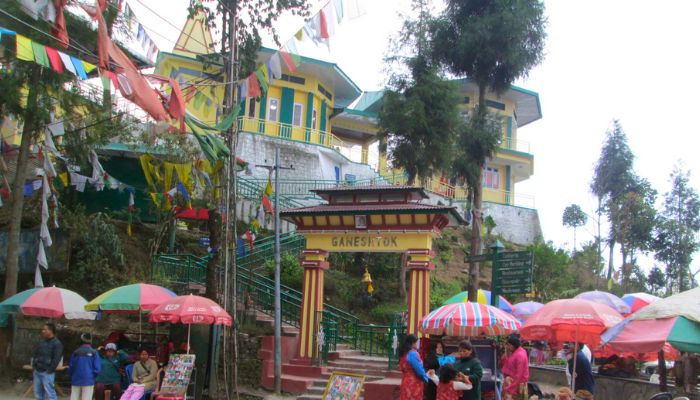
(676, 233)
(551, 274)
(634, 217)
(656, 280)
(32, 94)
(492, 43)
(574, 217)
(612, 177)
(419, 118)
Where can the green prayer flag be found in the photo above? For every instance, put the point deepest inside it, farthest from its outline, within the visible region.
(262, 79)
(40, 55)
(198, 100)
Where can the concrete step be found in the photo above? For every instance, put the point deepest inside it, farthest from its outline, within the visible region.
(342, 363)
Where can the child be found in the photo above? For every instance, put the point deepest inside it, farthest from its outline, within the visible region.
(451, 383)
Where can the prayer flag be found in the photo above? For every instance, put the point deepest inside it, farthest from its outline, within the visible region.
(79, 70)
(40, 54)
(276, 66)
(338, 4)
(253, 86)
(55, 59)
(24, 48)
(41, 256)
(87, 66)
(262, 78)
(267, 204)
(67, 62)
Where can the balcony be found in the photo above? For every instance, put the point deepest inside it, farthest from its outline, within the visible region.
(515, 145)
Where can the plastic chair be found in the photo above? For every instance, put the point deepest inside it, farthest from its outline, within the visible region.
(129, 370)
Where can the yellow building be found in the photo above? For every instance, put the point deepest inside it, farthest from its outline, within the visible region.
(324, 118)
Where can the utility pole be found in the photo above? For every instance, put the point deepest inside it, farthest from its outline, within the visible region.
(278, 301)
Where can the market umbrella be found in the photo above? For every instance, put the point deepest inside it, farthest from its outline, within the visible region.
(606, 298)
(637, 301)
(524, 310)
(131, 299)
(570, 320)
(50, 302)
(190, 310)
(482, 297)
(468, 319)
(649, 336)
(686, 304)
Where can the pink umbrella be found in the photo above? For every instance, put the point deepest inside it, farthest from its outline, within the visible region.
(606, 298)
(50, 302)
(637, 301)
(190, 310)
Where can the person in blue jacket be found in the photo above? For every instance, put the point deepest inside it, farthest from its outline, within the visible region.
(83, 368)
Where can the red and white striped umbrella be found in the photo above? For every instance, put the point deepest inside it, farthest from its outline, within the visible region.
(468, 319)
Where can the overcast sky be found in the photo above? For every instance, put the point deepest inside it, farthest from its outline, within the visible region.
(631, 60)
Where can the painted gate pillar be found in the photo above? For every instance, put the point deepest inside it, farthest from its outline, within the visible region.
(314, 264)
(419, 265)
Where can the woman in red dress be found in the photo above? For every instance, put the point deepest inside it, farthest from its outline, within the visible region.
(411, 365)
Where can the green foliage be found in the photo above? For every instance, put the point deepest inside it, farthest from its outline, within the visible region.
(574, 216)
(443, 290)
(253, 16)
(613, 172)
(477, 140)
(96, 254)
(551, 272)
(492, 42)
(676, 233)
(656, 281)
(291, 272)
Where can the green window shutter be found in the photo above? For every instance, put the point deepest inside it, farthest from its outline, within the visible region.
(322, 125)
(287, 106)
(509, 194)
(309, 108)
(263, 113)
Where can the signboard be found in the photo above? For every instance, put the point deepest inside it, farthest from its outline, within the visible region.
(513, 272)
(177, 375)
(343, 386)
(479, 258)
(366, 241)
(204, 241)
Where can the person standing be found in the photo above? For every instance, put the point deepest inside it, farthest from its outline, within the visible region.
(47, 355)
(410, 364)
(143, 377)
(584, 385)
(516, 370)
(450, 384)
(110, 375)
(470, 366)
(84, 366)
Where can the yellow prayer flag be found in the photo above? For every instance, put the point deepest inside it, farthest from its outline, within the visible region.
(63, 176)
(24, 48)
(268, 187)
(299, 35)
(88, 67)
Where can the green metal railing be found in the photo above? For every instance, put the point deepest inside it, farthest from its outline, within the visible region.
(397, 332)
(180, 270)
(250, 188)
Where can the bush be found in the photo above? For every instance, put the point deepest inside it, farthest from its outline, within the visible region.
(443, 290)
(291, 272)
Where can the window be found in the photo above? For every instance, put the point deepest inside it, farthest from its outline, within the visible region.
(343, 200)
(369, 198)
(273, 114)
(313, 119)
(251, 108)
(491, 178)
(296, 116)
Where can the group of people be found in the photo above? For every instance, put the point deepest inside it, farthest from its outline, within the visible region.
(458, 375)
(90, 373)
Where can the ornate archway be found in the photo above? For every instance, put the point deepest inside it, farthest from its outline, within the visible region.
(368, 219)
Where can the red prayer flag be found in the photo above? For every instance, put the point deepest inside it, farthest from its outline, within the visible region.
(177, 104)
(59, 26)
(288, 61)
(324, 25)
(113, 78)
(55, 59)
(253, 86)
(267, 204)
(249, 237)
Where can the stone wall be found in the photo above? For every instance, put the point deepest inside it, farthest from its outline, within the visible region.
(516, 224)
(309, 161)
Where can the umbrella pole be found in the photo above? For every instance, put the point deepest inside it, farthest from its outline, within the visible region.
(573, 371)
(140, 341)
(189, 327)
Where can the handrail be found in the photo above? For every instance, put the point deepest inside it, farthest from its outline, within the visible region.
(250, 189)
(290, 132)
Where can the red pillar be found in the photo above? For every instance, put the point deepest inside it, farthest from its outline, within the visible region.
(419, 267)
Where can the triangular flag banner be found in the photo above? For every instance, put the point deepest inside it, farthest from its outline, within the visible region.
(41, 256)
(253, 86)
(24, 48)
(249, 237)
(38, 281)
(261, 215)
(87, 66)
(268, 187)
(78, 65)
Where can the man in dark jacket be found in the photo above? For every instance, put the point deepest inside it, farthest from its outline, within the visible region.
(83, 368)
(47, 355)
(584, 384)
